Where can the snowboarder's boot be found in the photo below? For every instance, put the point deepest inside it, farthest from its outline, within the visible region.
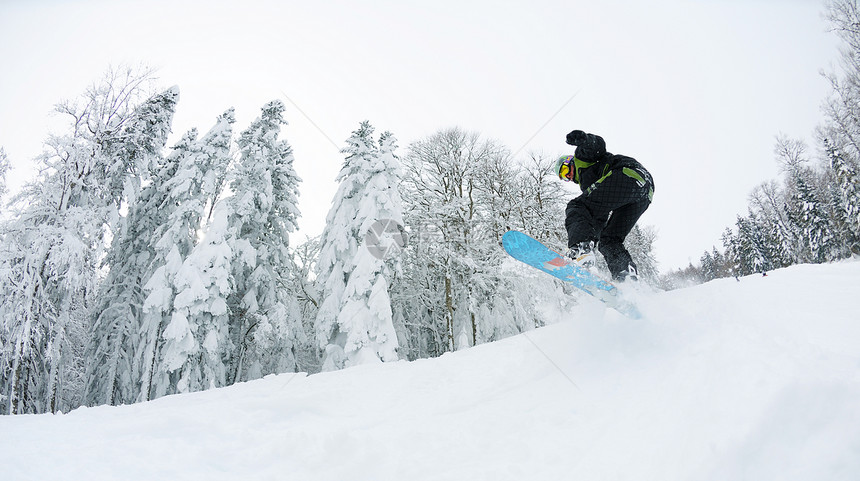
(629, 274)
(582, 254)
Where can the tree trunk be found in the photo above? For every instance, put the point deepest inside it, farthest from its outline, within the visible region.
(449, 313)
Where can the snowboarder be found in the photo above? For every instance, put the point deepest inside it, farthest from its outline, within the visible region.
(616, 191)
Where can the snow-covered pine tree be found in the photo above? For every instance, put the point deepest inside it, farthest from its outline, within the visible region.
(848, 192)
(198, 167)
(752, 251)
(231, 285)
(801, 204)
(767, 205)
(708, 269)
(808, 221)
(111, 377)
(354, 324)
(266, 327)
(192, 351)
(830, 195)
(731, 257)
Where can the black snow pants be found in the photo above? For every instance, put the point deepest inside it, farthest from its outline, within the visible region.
(606, 212)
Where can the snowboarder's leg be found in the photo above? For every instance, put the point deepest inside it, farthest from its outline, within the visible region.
(618, 259)
(620, 224)
(584, 221)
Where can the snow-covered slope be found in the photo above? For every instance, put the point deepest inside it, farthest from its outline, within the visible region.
(757, 379)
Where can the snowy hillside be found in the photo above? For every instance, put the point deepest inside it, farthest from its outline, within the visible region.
(757, 379)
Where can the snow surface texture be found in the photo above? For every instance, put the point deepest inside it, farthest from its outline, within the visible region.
(757, 379)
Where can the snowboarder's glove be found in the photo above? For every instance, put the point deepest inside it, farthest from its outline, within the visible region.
(577, 137)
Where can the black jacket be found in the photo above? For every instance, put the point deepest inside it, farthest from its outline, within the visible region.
(607, 163)
(595, 162)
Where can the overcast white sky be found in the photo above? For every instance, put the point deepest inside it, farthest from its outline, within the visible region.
(696, 90)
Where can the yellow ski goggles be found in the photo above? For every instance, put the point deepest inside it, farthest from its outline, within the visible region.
(563, 168)
(568, 166)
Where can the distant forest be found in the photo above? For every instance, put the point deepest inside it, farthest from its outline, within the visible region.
(812, 213)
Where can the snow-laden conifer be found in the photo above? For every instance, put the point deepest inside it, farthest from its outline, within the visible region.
(753, 255)
(266, 327)
(808, 221)
(848, 194)
(358, 257)
(112, 376)
(189, 191)
(230, 287)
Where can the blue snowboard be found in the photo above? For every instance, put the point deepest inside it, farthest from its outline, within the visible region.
(532, 252)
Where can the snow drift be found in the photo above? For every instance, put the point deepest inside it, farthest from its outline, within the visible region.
(757, 379)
